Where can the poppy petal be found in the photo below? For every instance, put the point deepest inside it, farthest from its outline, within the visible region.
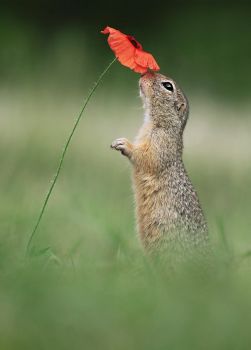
(139, 69)
(145, 59)
(105, 31)
(121, 46)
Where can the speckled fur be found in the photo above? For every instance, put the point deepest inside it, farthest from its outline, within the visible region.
(169, 215)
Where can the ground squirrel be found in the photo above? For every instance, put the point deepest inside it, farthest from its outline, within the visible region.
(167, 207)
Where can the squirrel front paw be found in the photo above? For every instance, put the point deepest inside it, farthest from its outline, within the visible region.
(124, 146)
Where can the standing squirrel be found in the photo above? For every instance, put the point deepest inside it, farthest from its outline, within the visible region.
(168, 211)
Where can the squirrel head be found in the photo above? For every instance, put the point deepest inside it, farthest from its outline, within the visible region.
(165, 104)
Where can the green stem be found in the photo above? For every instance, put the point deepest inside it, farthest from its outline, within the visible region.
(63, 156)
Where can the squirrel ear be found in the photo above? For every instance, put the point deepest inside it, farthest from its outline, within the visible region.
(183, 110)
(181, 107)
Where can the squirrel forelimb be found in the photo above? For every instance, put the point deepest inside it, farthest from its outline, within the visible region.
(124, 146)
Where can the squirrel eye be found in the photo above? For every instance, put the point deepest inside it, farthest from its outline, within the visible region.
(167, 85)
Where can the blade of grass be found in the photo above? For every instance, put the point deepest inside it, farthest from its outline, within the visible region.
(61, 160)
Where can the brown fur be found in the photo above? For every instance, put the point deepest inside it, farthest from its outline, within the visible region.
(168, 211)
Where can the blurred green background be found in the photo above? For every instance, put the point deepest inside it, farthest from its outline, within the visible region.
(88, 284)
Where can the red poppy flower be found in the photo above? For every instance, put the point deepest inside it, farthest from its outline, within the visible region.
(129, 51)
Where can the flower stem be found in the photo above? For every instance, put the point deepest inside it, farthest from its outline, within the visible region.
(61, 160)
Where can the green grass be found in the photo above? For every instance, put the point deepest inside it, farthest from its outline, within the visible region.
(88, 284)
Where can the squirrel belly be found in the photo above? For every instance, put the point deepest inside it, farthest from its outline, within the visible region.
(167, 207)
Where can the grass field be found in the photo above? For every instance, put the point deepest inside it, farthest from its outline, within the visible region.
(88, 284)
